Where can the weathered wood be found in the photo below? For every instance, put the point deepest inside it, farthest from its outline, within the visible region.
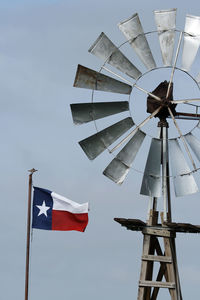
(158, 232)
(159, 258)
(158, 248)
(150, 265)
(170, 267)
(134, 222)
(183, 227)
(178, 286)
(143, 272)
(148, 289)
(173, 245)
(161, 273)
(138, 225)
(147, 283)
(147, 266)
(153, 220)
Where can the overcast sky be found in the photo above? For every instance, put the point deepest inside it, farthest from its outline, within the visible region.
(41, 43)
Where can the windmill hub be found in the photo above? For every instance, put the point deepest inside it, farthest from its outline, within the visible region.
(161, 92)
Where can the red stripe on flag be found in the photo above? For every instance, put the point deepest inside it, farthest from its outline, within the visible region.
(64, 220)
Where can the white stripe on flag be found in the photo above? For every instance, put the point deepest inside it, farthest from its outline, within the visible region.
(62, 203)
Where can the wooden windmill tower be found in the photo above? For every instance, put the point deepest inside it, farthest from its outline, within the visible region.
(182, 151)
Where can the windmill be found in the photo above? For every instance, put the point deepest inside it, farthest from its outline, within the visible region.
(127, 137)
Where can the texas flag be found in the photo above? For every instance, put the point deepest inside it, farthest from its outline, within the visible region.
(55, 212)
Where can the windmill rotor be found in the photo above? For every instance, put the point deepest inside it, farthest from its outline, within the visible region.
(160, 101)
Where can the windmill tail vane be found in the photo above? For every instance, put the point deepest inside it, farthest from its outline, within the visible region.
(168, 159)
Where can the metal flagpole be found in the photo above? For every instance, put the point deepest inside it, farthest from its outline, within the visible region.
(28, 233)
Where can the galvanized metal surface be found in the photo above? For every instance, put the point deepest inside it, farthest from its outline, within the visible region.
(147, 93)
(120, 165)
(198, 78)
(186, 118)
(194, 144)
(166, 24)
(151, 183)
(87, 112)
(136, 129)
(174, 64)
(165, 174)
(90, 79)
(191, 41)
(188, 115)
(183, 139)
(104, 49)
(185, 100)
(133, 31)
(184, 183)
(97, 143)
(134, 85)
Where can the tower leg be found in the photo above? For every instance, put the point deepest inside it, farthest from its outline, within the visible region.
(148, 288)
(152, 252)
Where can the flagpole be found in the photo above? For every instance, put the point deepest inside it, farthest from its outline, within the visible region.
(28, 233)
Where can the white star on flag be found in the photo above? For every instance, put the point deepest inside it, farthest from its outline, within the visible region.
(43, 209)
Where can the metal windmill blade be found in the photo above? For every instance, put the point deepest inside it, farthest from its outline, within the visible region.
(87, 112)
(166, 24)
(194, 144)
(97, 143)
(90, 79)
(120, 165)
(184, 182)
(104, 49)
(151, 183)
(198, 78)
(133, 31)
(191, 41)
